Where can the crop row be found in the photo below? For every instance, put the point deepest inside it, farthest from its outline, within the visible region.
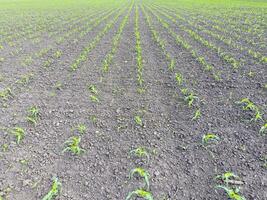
(226, 40)
(185, 45)
(190, 98)
(8, 91)
(217, 25)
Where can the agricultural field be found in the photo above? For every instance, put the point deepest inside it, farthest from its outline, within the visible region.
(133, 99)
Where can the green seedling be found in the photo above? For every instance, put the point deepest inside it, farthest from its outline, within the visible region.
(140, 193)
(249, 105)
(263, 129)
(28, 61)
(209, 137)
(74, 67)
(179, 78)
(141, 90)
(105, 66)
(142, 173)
(93, 118)
(190, 98)
(140, 79)
(55, 190)
(19, 133)
(197, 115)
(73, 145)
(24, 162)
(232, 193)
(52, 93)
(226, 176)
(81, 128)
(5, 94)
(138, 120)
(184, 91)
(47, 63)
(93, 89)
(229, 177)
(33, 115)
(58, 86)
(257, 115)
(172, 65)
(251, 74)
(217, 76)
(57, 54)
(140, 152)
(4, 147)
(25, 79)
(94, 98)
(208, 68)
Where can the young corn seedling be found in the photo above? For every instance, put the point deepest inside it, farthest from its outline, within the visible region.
(257, 115)
(190, 98)
(105, 66)
(72, 145)
(55, 190)
(179, 78)
(184, 91)
(57, 54)
(25, 79)
(74, 67)
(47, 63)
(33, 115)
(58, 86)
(208, 138)
(140, 152)
(251, 74)
(94, 98)
(232, 193)
(142, 173)
(197, 115)
(5, 94)
(217, 76)
(92, 89)
(19, 133)
(229, 178)
(141, 90)
(140, 193)
(81, 128)
(263, 129)
(93, 118)
(4, 147)
(138, 120)
(172, 65)
(247, 104)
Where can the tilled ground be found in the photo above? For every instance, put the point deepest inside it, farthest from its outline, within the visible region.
(179, 166)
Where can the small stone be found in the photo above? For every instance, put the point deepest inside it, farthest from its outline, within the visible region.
(157, 173)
